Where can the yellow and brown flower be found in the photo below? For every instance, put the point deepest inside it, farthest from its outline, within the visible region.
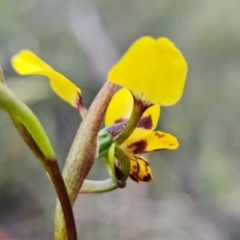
(144, 139)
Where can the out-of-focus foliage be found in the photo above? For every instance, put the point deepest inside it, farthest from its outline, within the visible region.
(195, 192)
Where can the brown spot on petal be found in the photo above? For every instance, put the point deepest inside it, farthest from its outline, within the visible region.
(120, 120)
(147, 178)
(146, 122)
(159, 135)
(134, 178)
(118, 173)
(135, 168)
(138, 147)
(141, 103)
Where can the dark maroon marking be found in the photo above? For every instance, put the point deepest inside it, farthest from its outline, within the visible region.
(120, 120)
(145, 122)
(135, 173)
(143, 105)
(138, 168)
(133, 178)
(79, 101)
(159, 135)
(159, 149)
(147, 178)
(138, 147)
(134, 167)
(118, 173)
(146, 163)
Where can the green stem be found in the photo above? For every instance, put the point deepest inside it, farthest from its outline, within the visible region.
(90, 186)
(34, 135)
(10, 103)
(138, 110)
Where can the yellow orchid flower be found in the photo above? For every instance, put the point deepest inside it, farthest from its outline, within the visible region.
(27, 63)
(154, 70)
(144, 139)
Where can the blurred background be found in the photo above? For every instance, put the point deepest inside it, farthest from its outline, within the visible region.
(195, 194)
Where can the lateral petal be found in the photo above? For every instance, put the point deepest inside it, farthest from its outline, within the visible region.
(27, 63)
(152, 142)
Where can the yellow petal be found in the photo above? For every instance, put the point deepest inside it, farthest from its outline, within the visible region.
(151, 142)
(27, 63)
(140, 170)
(154, 70)
(120, 109)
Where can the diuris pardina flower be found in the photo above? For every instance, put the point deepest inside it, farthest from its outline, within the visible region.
(154, 71)
(144, 139)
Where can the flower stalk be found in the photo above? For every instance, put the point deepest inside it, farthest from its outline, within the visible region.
(83, 153)
(90, 186)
